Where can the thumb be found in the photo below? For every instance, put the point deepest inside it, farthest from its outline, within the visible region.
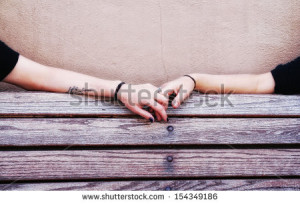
(169, 89)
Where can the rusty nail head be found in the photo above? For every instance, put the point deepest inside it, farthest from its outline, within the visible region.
(168, 188)
(170, 128)
(169, 158)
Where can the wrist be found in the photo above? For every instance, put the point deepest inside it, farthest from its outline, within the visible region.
(106, 88)
(191, 80)
(197, 78)
(118, 90)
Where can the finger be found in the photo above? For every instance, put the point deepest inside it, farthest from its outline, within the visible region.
(181, 96)
(158, 117)
(167, 92)
(150, 110)
(170, 89)
(138, 110)
(159, 109)
(158, 96)
(178, 89)
(162, 100)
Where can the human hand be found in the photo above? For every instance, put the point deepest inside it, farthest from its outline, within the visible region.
(135, 97)
(181, 87)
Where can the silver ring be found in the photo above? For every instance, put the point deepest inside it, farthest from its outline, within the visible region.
(159, 90)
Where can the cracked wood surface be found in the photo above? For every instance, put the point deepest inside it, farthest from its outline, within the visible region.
(37, 129)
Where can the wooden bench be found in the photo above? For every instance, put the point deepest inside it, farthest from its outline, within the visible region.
(51, 142)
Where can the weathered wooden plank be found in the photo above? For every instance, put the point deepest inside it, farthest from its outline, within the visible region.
(100, 164)
(51, 104)
(113, 131)
(5, 87)
(180, 185)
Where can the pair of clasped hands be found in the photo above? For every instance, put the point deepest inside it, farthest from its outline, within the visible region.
(155, 99)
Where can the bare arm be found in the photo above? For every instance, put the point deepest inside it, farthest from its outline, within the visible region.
(34, 76)
(207, 83)
(240, 83)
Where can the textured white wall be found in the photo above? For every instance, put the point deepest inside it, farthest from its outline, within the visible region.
(153, 40)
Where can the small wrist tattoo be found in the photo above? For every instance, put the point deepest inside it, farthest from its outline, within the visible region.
(77, 91)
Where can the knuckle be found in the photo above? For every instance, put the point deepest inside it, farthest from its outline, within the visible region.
(160, 108)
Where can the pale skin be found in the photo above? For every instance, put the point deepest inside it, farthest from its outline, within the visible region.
(207, 83)
(37, 77)
(33, 76)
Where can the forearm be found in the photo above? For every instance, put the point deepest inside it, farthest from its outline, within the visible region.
(60, 80)
(240, 83)
(34, 76)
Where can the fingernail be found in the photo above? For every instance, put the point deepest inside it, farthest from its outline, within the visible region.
(151, 120)
(175, 104)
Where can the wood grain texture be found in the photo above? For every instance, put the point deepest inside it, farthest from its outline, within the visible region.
(160, 185)
(100, 164)
(109, 131)
(39, 104)
(6, 87)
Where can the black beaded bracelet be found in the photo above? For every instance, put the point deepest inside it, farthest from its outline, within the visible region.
(118, 89)
(192, 79)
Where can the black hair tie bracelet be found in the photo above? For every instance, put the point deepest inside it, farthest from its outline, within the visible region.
(192, 79)
(118, 89)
